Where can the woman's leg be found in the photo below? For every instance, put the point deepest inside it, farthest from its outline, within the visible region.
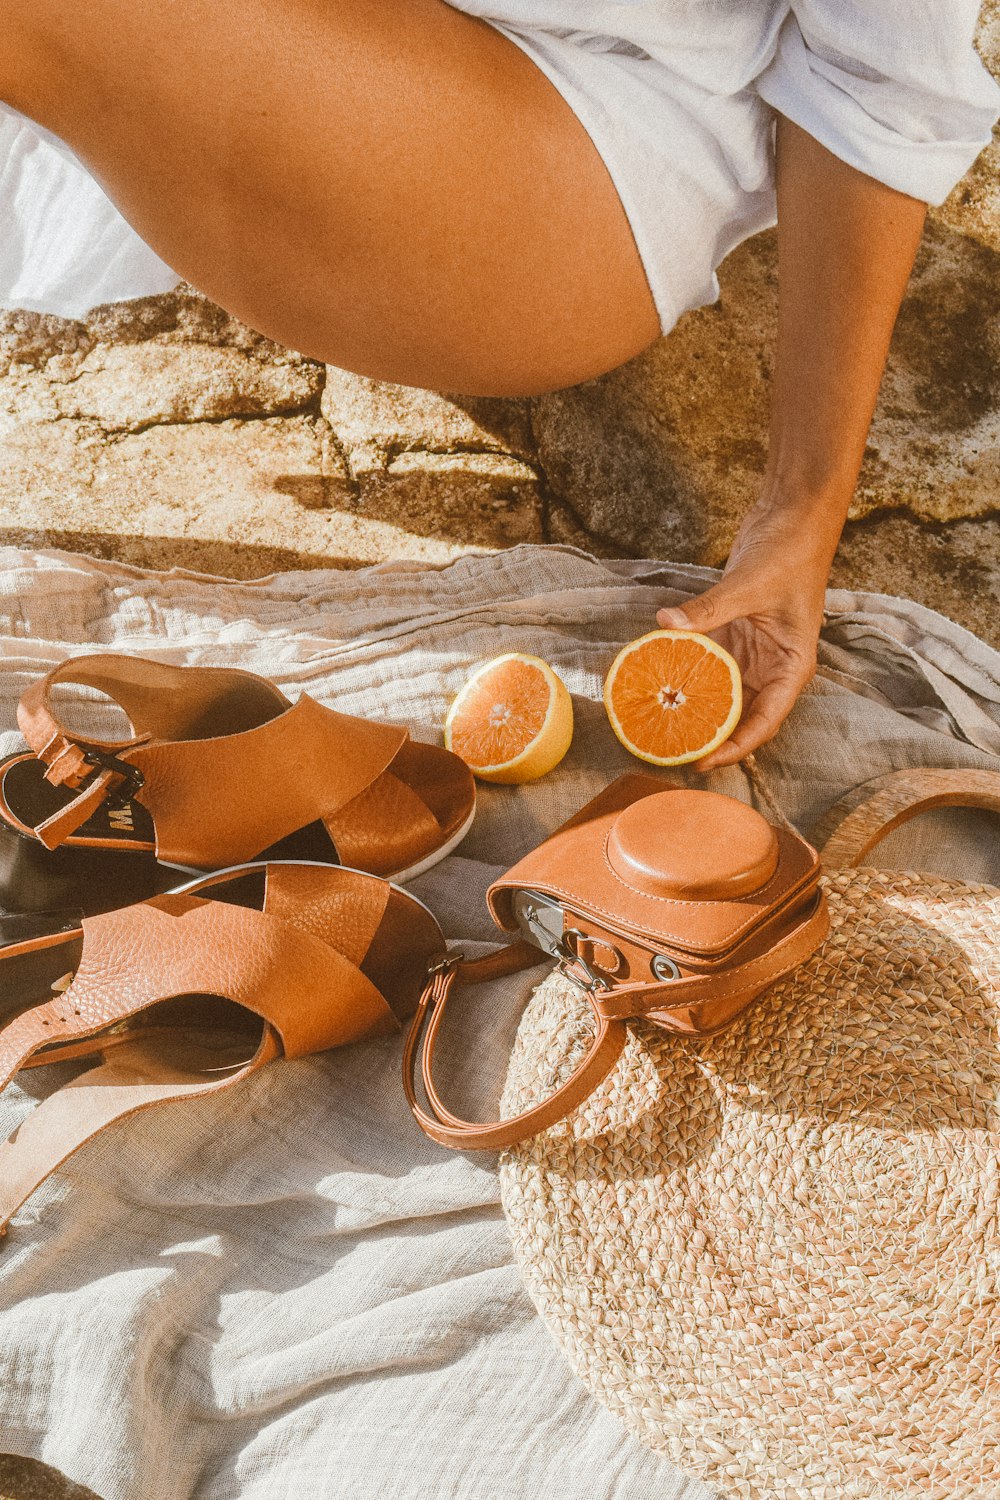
(389, 185)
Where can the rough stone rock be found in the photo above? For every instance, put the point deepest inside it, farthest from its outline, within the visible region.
(130, 386)
(953, 568)
(216, 497)
(183, 316)
(375, 421)
(165, 432)
(432, 464)
(179, 317)
(665, 454)
(974, 206)
(31, 340)
(246, 498)
(475, 499)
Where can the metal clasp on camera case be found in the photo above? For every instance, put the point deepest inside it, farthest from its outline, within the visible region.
(572, 960)
(541, 921)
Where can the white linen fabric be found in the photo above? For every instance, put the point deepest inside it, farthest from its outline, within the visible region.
(289, 1291)
(677, 96)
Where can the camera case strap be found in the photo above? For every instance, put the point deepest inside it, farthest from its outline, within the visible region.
(673, 905)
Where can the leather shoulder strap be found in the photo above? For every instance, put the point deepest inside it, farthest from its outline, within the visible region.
(449, 1129)
(849, 830)
(748, 978)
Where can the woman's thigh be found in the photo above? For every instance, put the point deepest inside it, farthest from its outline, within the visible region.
(389, 185)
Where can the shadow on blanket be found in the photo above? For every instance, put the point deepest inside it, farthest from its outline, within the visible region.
(26, 1479)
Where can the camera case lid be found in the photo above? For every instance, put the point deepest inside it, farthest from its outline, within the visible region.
(692, 846)
(674, 867)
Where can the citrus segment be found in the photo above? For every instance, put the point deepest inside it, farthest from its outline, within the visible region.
(513, 720)
(673, 696)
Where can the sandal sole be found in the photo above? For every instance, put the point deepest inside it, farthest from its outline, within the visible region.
(423, 865)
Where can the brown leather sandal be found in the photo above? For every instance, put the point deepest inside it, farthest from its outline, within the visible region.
(191, 992)
(221, 768)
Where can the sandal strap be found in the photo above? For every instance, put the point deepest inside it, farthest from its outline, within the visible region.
(203, 794)
(91, 764)
(311, 994)
(132, 1078)
(56, 829)
(387, 827)
(160, 701)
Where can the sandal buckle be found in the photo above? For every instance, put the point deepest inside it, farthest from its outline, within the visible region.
(132, 779)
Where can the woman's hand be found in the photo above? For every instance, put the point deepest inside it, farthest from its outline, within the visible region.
(766, 610)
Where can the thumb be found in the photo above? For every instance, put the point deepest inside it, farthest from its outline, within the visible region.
(717, 606)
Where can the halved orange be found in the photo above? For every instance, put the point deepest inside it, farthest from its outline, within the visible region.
(512, 721)
(673, 696)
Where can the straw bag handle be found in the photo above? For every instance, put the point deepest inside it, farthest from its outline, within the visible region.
(893, 800)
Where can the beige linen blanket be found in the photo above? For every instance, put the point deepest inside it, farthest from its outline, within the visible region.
(287, 1291)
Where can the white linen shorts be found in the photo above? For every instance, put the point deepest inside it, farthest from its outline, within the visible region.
(692, 165)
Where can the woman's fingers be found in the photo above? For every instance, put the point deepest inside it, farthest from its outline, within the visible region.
(771, 650)
(717, 606)
(768, 711)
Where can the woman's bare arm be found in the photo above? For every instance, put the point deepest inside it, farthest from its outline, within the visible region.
(846, 246)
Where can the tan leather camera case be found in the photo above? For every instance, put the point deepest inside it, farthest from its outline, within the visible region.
(673, 905)
(699, 881)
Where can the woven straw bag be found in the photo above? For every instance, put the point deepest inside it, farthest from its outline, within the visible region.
(775, 1252)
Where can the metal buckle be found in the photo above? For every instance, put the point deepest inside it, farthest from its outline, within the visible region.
(444, 965)
(541, 922)
(132, 778)
(571, 959)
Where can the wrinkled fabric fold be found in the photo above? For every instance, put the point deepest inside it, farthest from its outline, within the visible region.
(896, 90)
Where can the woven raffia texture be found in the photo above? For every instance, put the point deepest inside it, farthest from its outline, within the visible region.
(775, 1252)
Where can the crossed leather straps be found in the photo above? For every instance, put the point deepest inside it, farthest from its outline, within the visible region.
(308, 994)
